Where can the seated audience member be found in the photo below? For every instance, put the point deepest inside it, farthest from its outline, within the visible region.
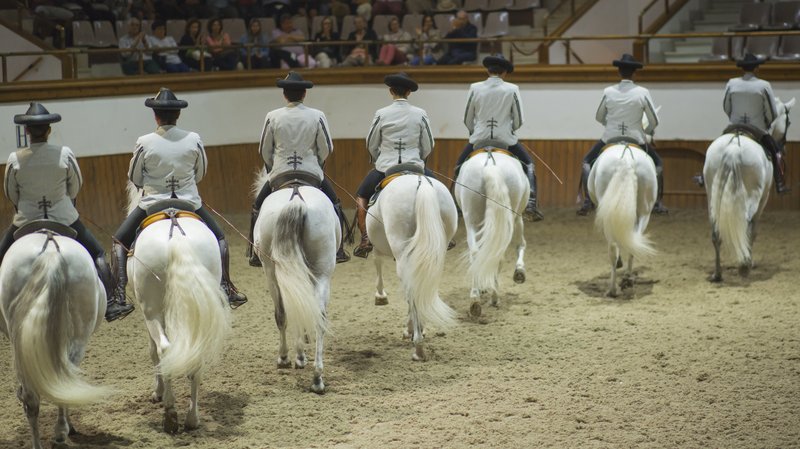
(425, 51)
(326, 55)
(136, 39)
(259, 52)
(459, 53)
(217, 40)
(286, 33)
(193, 37)
(358, 54)
(168, 59)
(389, 7)
(362, 8)
(394, 53)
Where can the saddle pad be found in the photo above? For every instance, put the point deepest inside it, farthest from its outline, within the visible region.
(490, 150)
(165, 215)
(295, 178)
(627, 144)
(45, 225)
(385, 181)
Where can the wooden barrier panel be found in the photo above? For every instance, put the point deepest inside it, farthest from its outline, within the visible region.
(232, 168)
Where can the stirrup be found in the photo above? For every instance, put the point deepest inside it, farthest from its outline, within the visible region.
(782, 189)
(342, 256)
(116, 311)
(659, 209)
(254, 261)
(235, 299)
(364, 248)
(532, 213)
(587, 207)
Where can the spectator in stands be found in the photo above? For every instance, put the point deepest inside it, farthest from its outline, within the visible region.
(339, 9)
(427, 52)
(418, 6)
(326, 55)
(218, 42)
(390, 7)
(286, 33)
(193, 37)
(358, 54)
(222, 8)
(135, 38)
(459, 53)
(168, 59)
(259, 52)
(394, 51)
(362, 8)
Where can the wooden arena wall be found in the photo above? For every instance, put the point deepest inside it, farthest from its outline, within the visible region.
(231, 171)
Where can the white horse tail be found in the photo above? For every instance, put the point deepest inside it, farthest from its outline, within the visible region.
(421, 263)
(41, 334)
(304, 315)
(729, 206)
(196, 315)
(496, 230)
(617, 215)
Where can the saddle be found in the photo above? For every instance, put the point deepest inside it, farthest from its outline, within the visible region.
(170, 209)
(490, 150)
(46, 226)
(624, 140)
(295, 179)
(745, 129)
(393, 173)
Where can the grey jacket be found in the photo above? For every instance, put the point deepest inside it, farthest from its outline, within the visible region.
(621, 111)
(400, 134)
(750, 100)
(493, 113)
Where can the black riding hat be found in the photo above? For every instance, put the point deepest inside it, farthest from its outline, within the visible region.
(498, 61)
(750, 61)
(165, 100)
(627, 62)
(401, 80)
(294, 81)
(36, 115)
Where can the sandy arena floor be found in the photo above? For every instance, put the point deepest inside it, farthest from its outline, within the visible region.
(676, 362)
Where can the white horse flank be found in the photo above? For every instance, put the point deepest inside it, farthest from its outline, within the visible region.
(413, 220)
(623, 185)
(492, 191)
(52, 301)
(296, 235)
(175, 274)
(738, 179)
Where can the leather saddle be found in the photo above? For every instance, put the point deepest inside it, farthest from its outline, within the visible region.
(294, 179)
(623, 140)
(745, 129)
(490, 150)
(45, 226)
(393, 173)
(169, 209)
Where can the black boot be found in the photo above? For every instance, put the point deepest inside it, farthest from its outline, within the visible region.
(659, 208)
(251, 252)
(235, 298)
(365, 247)
(532, 212)
(116, 306)
(778, 170)
(587, 205)
(341, 254)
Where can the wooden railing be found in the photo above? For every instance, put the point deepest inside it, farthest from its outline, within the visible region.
(560, 5)
(669, 8)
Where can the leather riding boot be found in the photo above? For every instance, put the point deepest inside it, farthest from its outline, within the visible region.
(365, 247)
(116, 306)
(235, 298)
(341, 254)
(587, 205)
(532, 212)
(453, 190)
(659, 207)
(778, 171)
(251, 252)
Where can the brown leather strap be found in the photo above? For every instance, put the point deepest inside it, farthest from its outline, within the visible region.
(490, 150)
(158, 216)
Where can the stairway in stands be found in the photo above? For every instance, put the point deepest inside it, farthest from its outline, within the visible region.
(524, 53)
(717, 16)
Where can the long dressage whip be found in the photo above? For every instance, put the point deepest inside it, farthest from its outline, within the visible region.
(352, 228)
(475, 191)
(246, 239)
(115, 240)
(543, 162)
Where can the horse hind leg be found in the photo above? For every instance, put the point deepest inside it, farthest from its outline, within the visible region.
(323, 293)
(30, 403)
(63, 427)
(717, 275)
(613, 254)
(158, 389)
(192, 421)
(627, 278)
(418, 338)
(300, 358)
(380, 295)
(747, 265)
(519, 237)
(280, 320)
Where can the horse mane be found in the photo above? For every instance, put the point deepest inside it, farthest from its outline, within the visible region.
(261, 178)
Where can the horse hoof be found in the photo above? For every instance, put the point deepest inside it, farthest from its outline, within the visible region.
(381, 300)
(626, 284)
(171, 422)
(744, 271)
(72, 430)
(300, 363)
(519, 275)
(419, 354)
(284, 363)
(619, 262)
(155, 398)
(318, 386)
(611, 293)
(191, 424)
(475, 309)
(406, 334)
(716, 277)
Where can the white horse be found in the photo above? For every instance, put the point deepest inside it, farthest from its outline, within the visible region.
(492, 191)
(413, 220)
(52, 301)
(175, 274)
(623, 185)
(297, 234)
(738, 178)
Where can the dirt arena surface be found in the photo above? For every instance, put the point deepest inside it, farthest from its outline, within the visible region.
(674, 362)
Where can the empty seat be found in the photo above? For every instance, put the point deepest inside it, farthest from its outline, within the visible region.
(443, 22)
(499, 5)
(476, 18)
(82, 33)
(753, 16)
(235, 28)
(347, 26)
(301, 23)
(104, 34)
(475, 5)
(267, 25)
(380, 24)
(789, 49)
(762, 46)
(176, 28)
(720, 50)
(496, 24)
(316, 25)
(525, 4)
(411, 22)
(785, 16)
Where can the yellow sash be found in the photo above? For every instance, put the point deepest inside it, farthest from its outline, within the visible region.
(385, 182)
(158, 216)
(490, 150)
